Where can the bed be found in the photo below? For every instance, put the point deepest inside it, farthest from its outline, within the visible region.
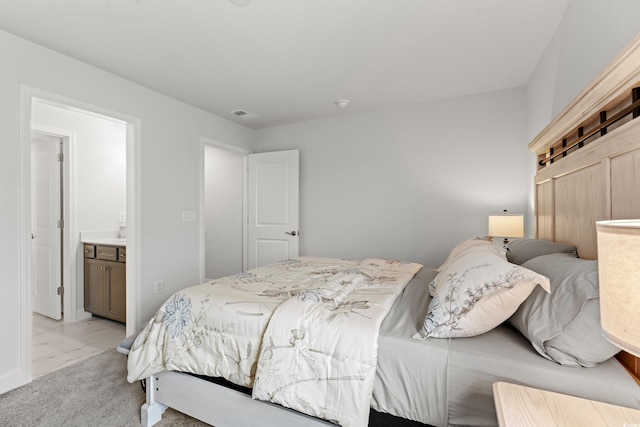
(586, 158)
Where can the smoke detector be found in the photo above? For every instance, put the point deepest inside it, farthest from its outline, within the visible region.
(240, 2)
(243, 114)
(342, 103)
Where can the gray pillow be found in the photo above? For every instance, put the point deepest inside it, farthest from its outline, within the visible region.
(564, 325)
(522, 250)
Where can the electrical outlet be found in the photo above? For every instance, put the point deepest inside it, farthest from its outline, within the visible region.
(159, 286)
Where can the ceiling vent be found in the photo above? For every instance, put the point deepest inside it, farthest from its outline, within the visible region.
(243, 114)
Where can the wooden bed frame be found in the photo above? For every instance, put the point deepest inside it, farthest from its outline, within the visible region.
(589, 162)
(585, 174)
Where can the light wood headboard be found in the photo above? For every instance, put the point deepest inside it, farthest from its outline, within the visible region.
(589, 162)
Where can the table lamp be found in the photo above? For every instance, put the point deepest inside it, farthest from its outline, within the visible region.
(619, 278)
(506, 225)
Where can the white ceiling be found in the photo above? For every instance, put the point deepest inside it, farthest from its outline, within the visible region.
(289, 60)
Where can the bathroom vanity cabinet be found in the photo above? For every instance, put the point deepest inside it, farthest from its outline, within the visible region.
(105, 281)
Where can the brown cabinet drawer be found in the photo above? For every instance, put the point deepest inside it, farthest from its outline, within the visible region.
(89, 251)
(109, 253)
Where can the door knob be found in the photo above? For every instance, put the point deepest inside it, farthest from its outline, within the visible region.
(291, 233)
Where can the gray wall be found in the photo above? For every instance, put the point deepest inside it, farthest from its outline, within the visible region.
(407, 183)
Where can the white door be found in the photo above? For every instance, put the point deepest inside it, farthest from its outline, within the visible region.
(46, 217)
(273, 231)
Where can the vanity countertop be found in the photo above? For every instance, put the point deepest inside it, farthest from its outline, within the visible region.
(111, 238)
(119, 241)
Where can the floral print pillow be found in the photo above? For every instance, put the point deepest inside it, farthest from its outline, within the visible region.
(475, 244)
(475, 293)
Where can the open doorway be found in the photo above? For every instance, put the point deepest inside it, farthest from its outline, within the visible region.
(85, 183)
(223, 209)
(81, 191)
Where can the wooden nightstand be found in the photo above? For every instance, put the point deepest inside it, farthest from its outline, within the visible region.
(520, 406)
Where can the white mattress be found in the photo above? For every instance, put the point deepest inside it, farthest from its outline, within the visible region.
(449, 381)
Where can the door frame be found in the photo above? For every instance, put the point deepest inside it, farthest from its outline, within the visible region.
(27, 95)
(204, 141)
(69, 234)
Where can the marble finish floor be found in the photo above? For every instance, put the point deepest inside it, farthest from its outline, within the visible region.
(56, 344)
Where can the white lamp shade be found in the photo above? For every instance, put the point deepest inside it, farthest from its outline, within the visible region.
(506, 225)
(619, 279)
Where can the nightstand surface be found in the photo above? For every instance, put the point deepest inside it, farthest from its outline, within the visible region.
(520, 406)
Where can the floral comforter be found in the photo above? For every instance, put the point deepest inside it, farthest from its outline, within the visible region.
(302, 333)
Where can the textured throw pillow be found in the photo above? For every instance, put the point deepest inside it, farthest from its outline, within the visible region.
(564, 325)
(522, 250)
(475, 293)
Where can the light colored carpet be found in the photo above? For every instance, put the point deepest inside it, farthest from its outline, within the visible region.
(93, 392)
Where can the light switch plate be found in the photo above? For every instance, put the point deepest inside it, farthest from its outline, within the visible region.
(188, 216)
(159, 286)
(122, 217)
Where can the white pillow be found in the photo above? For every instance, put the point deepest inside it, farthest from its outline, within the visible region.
(475, 292)
(475, 244)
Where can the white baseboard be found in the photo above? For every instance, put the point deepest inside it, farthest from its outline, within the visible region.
(83, 315)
